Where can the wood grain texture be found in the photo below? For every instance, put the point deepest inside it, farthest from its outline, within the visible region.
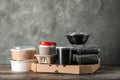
(104, 73)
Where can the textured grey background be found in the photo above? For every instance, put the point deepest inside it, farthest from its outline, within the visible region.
(26, 22)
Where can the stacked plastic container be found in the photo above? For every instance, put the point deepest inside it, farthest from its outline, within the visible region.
(85, 56)
(22, 56)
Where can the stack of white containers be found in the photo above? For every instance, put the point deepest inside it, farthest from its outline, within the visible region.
(22, 57)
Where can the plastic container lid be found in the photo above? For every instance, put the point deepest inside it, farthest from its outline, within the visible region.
(47, 43)
(23, 48)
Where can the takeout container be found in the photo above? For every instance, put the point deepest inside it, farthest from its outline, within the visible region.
(47, 52)
(47, 48)
(87, 59)
(88, 49)
(77, 38)
(21, 66)
(23, 52)
(64, 55)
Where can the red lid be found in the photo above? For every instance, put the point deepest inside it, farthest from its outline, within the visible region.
(47, 43)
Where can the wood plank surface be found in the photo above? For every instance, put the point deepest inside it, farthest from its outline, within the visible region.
(104, 73)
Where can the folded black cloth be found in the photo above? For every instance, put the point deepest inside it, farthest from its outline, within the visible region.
(85, 59)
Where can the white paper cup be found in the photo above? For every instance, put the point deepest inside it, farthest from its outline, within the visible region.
(21, 66)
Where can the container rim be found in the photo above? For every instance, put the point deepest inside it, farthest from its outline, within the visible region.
(23, 60)
(38, 55)
(73, 33)
(23, 48)
(62, 47)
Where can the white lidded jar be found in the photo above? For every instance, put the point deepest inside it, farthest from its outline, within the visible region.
(23, 52)
(47, 48)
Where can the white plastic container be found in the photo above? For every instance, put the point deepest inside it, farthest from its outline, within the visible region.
(21, 66)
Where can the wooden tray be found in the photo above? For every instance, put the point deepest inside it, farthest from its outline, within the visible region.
(70, 69)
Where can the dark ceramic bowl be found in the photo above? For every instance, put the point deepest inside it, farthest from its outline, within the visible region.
(77, 38)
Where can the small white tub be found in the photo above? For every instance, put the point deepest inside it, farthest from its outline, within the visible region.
(21, 66)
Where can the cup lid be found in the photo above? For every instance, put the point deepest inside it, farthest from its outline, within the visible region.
(47, 43)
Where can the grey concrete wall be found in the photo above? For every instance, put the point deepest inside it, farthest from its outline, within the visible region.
(26, 22)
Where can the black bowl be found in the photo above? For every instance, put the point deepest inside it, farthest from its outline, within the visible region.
(77, 38)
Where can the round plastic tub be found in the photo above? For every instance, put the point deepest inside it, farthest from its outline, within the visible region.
(23, 53)
(21, 66)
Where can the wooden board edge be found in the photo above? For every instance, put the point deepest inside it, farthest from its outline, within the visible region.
(81, 69)
(33, 67)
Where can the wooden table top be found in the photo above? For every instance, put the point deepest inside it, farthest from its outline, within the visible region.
(104, 73)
